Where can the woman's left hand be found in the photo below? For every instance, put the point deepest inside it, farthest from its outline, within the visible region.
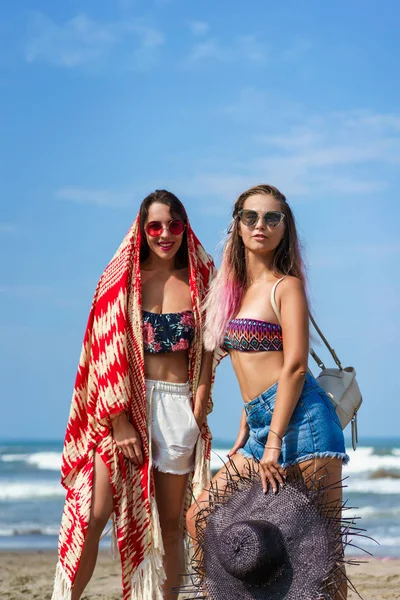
(271, 471)
(200, 417)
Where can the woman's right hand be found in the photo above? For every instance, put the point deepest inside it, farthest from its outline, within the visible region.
(241, 439)
(127, 438)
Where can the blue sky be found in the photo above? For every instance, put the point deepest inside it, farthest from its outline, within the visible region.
(103, 101)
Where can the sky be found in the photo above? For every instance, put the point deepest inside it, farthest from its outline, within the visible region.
(102, 102)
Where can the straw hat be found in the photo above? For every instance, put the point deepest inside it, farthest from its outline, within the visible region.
(253, 545)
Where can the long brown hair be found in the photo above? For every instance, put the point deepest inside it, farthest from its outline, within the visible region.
(177, 212)
(227, 289)
(287, 256)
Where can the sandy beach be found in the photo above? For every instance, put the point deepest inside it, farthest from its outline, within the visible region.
(28, 575)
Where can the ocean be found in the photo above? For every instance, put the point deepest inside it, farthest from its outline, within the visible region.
(31, 496)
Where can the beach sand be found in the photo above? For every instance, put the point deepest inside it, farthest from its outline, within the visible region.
(29, 575)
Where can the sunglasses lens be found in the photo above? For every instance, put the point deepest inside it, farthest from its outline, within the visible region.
(272, 219)
(176, 227)
(248, 217)
(154, 228)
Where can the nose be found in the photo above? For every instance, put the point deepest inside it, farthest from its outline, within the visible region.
(259, 224)
(165, 232)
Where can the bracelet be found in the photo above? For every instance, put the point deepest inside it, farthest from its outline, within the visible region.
(273, 448)
(277, 434)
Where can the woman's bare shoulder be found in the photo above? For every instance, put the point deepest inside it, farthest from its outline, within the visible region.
(290, 284)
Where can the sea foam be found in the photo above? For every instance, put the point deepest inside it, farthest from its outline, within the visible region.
(46, 461)
(30, 490)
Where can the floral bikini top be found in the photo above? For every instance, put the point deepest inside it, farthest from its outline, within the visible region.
(167, 332)
(248, 335)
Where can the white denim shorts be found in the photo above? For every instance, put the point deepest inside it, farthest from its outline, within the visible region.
(173, 429)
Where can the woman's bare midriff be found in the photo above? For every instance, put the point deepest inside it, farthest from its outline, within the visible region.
(256, 371)
(167, 366)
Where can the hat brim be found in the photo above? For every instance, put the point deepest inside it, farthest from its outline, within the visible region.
(314, 534)
(310, 541)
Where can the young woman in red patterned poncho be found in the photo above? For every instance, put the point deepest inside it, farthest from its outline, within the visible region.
(137, 443)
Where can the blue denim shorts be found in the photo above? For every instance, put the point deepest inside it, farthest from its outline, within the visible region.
(314, 431)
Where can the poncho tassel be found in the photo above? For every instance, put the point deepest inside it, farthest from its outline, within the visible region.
(114, 538)
(148, 578)
(62, 585)
(150, 575)
(156, 528)
(201, 476)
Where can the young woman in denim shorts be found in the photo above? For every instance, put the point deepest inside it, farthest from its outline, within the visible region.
(257, 312)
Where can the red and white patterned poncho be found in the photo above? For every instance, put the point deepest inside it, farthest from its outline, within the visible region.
(110, 379)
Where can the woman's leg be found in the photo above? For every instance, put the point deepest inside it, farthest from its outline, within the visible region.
(102, 507)
(330, 470)
(170, 496)
(237, 463)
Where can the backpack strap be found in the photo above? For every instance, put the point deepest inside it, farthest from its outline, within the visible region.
(331, 350)
(273, 301)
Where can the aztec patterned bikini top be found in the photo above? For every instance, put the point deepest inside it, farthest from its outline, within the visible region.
(167, 332)
(252, 335)
(248, 335)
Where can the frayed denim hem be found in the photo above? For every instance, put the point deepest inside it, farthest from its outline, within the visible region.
(246, 454)
(341, 455)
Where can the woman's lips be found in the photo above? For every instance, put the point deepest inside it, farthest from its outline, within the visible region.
(259, 237)
(166, 247)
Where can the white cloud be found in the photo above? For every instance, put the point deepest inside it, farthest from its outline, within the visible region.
(121, 198)
(335, 152)
(210, 49)
(242, 48)
(83, 41)
(250, 48)
(311, 157)
(151, 38)
(379, 250)
(372, 121)
(198, 27)
(73, 43)
(254, 106)
(8, 228)
(297, 50)
(126, 4)
(330, 256)
(220, 186)
(145, 56)
(96, 196)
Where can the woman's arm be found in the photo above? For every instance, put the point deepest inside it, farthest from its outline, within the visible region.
(294, 321)
(242, 436)
(204, 388)
(294, 311)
